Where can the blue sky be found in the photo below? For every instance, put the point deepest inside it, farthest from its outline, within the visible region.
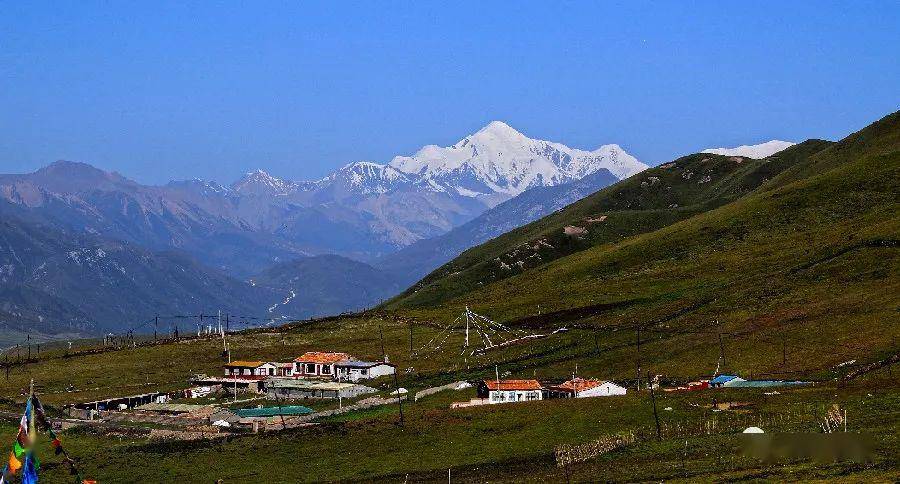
(211, 90)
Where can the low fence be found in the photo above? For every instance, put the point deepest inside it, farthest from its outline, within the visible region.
(431, 391)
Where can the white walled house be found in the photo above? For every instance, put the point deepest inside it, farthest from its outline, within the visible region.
(604, 389)
(353, 370)
(250, 369)
(584, 388)
(506, 391)
(318, 364)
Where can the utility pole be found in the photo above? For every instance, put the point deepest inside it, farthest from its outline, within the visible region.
(155, 324)
(399, 397)
(638, 362)
(721, 352)
(655, 414)
(783, 351)
(381, 335)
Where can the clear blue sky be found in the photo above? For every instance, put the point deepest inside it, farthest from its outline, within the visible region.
(298, 88)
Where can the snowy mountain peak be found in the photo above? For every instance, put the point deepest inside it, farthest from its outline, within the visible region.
(498, 130)
(498, 162)
(259, 182)
(761, 150)
(365, 177)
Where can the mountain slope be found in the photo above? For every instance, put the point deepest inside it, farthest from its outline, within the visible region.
(651, 200)
(53, 280)
(415, 261)
(324, 285)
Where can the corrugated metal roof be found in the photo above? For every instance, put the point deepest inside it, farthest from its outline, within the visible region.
(722, 379)
(360, 364)
(321, 357)
(171, 407)
(273, 411)
(579, 384)
(244, 364)
(309, 384)
(513, 384)
(766, 383)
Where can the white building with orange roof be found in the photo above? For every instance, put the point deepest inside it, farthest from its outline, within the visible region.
(505, 391)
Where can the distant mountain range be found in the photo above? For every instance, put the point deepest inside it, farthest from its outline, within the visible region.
(363, 210)
(117, 250)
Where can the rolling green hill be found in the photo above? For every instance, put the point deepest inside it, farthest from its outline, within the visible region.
(807, 259)
(653, 199)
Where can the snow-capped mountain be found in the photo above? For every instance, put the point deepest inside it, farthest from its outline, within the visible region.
(365, 178)
(759, 151)
(498, 162)
(260, 183)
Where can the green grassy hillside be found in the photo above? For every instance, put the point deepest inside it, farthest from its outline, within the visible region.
(656, 198)
(809, 260)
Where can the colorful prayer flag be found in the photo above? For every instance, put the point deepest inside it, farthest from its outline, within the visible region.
(14, 464)
(29, 473)
(18, 450)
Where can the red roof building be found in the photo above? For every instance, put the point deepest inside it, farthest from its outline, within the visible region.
(503, 391)
(513, 384)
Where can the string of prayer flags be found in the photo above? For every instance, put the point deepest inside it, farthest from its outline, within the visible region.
(22, 457)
